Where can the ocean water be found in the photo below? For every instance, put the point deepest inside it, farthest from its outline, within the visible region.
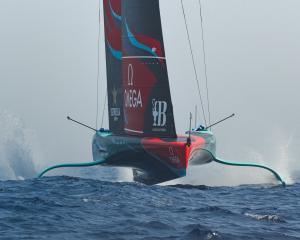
(77, 208)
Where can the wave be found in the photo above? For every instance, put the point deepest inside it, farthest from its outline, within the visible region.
(198, 231)
(189, 186)
(269, 218)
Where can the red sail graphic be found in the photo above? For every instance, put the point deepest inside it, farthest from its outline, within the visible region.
(138, 83)
(148, 109)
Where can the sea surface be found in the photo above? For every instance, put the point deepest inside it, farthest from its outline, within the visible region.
(77, 208)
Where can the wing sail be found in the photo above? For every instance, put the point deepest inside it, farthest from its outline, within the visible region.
(148, 109)
(113, 45)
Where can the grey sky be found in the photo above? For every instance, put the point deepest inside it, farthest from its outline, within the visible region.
(48, 69)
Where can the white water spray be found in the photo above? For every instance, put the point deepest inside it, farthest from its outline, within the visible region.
(16, 149)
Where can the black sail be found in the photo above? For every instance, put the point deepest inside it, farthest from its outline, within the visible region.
(113, 44)
(148, 109)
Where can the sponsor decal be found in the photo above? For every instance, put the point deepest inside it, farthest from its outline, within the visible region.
(114, 93)
(132, 97)
(173, 158)
(119, 141)
(159, 109)
(130, 74)
(115, 113)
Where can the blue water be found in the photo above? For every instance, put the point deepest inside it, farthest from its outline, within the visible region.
(76, 208)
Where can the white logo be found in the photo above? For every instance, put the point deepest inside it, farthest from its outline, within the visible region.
(133, 98)
(115, 113)
(173, 157)
(130, 75)
(159, 113)
(114, 93)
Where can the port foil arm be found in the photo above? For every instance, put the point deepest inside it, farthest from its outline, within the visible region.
(71, 165)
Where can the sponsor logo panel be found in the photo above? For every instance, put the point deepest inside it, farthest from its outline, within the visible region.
(159, 110)
(132, 96)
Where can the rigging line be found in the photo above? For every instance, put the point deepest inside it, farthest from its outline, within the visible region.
(194, 66)
(205, 65)
(105, 98)
(98, 63)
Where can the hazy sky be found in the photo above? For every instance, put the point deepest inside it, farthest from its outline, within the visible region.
(48, 70)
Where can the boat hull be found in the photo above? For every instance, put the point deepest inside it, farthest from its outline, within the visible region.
(153, 160)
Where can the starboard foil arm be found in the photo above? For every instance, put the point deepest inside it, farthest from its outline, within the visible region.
(237, 164)
(71, 165)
